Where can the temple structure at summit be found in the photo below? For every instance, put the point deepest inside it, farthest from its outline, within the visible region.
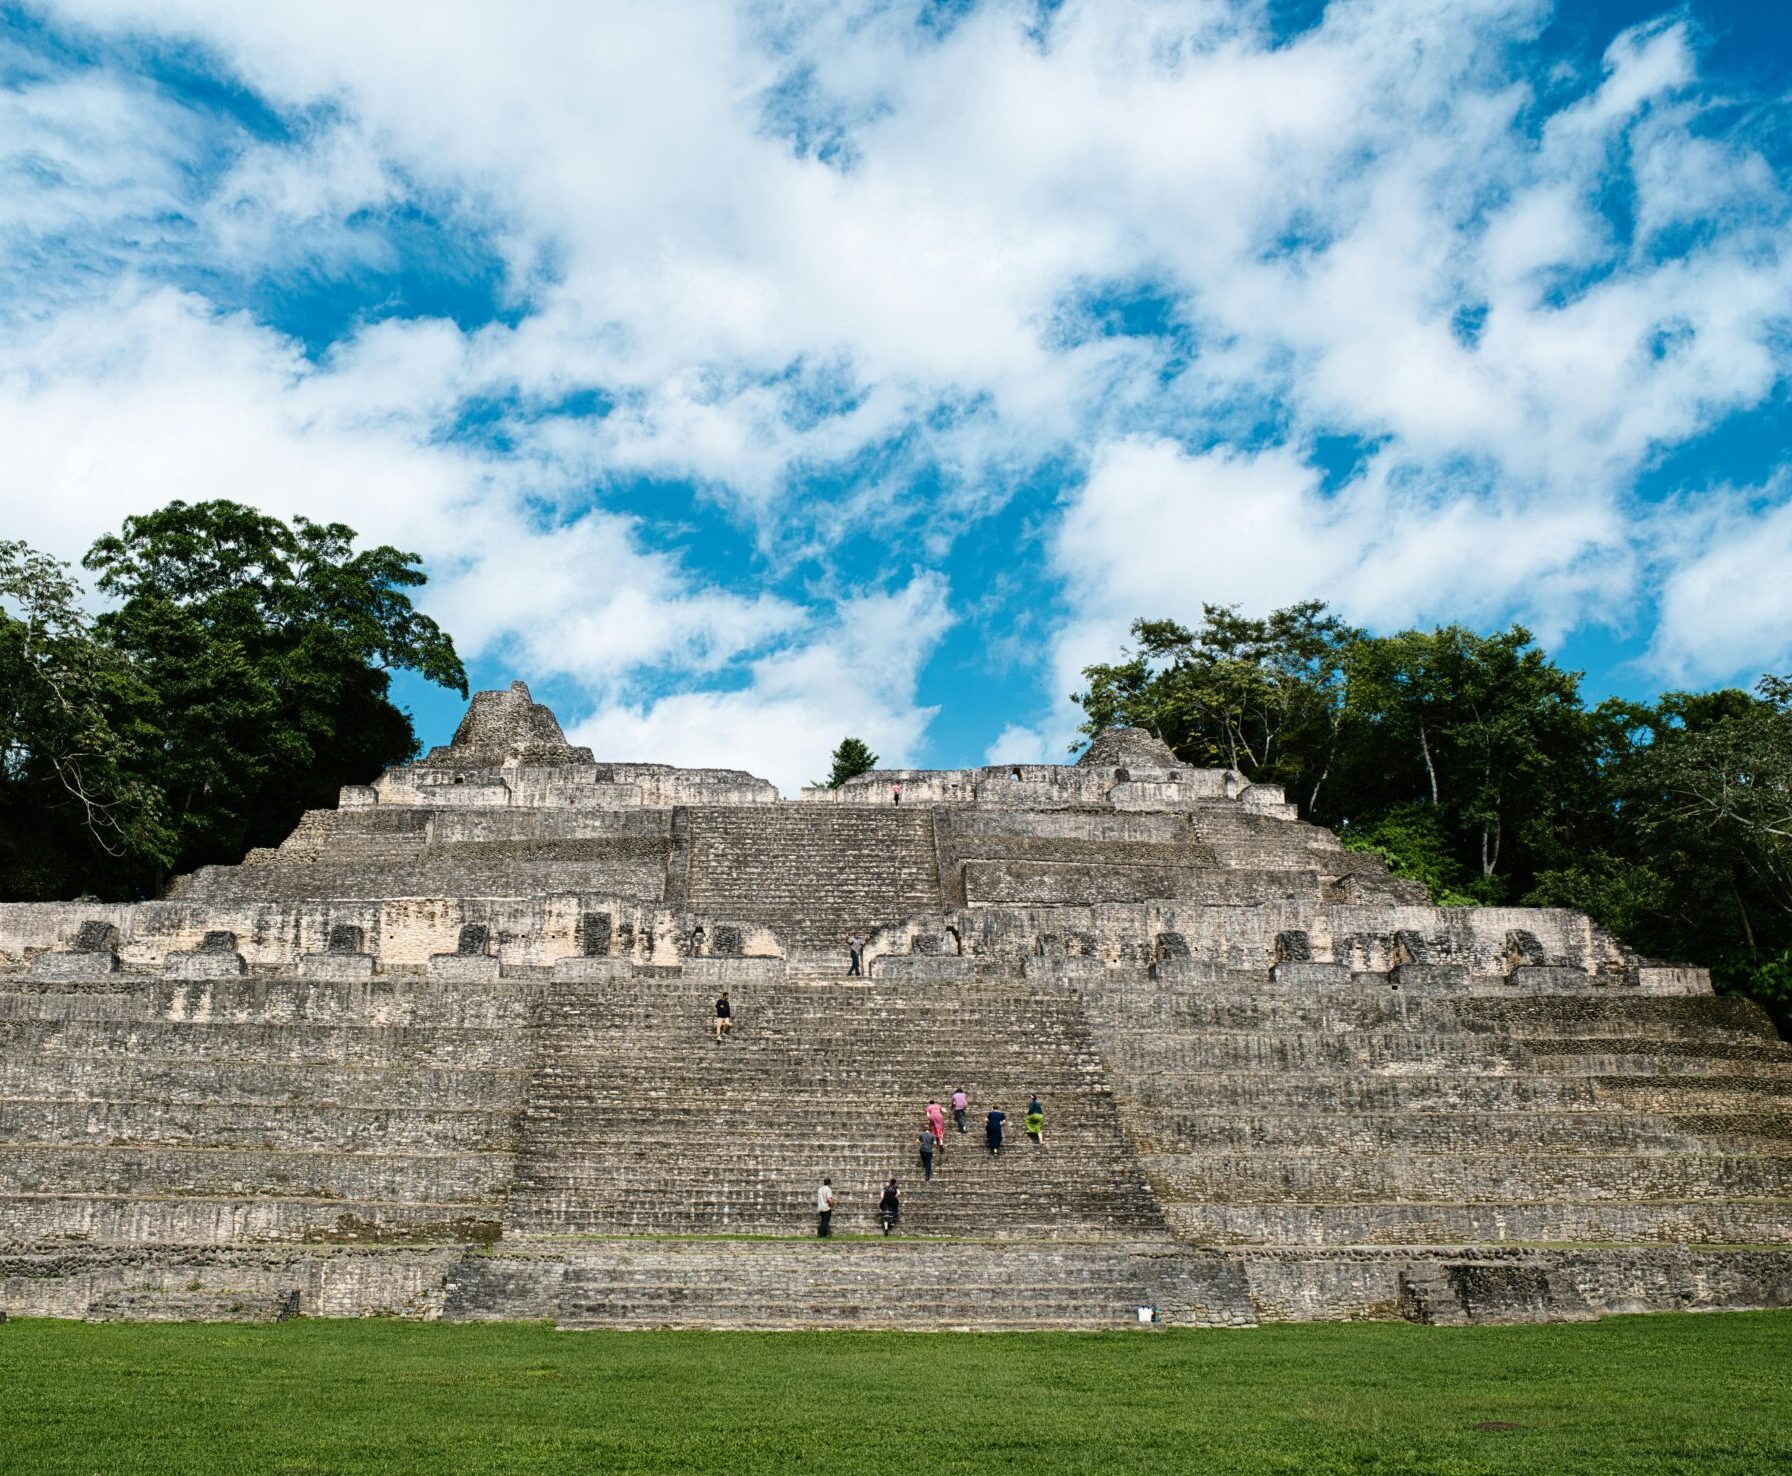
(447, 1052)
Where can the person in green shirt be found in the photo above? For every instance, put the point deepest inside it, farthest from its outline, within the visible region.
(1036, 1121)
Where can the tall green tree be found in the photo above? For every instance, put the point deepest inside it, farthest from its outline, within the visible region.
(851, 758)
(1470, 762)
(270, 650)
(73, 738)
(1265, 696)
(1486, 730)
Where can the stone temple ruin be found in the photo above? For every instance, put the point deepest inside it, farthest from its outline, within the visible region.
(446, 1053)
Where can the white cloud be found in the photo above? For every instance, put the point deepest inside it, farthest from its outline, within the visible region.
(1726, 605)
(149, 396)
(1377, 229)
(1017, 744)
(854, 676)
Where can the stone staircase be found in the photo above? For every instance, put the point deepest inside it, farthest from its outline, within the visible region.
(412, 851)
(639, 1122)
(448, 1051)
(1352, 1116)
(895, 1284)
(813, 872)
(139, 1111)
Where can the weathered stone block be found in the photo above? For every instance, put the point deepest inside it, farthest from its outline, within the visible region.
(203, 963)
(195, 1306)
(1064, 968)
(464, 968)
(74, 965)
(592, 970)
(1549, 979)
(733, 972)
(1306, 974)
(922, 966)
(1428, 976)
(336, 967)
(1672, 979)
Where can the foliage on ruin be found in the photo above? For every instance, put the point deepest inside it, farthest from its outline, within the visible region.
(1472, 763)
(851, 758)
(240, 677)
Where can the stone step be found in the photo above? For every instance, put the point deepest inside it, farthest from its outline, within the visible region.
(213, 1124)
(81, 1220)
(1604, 1131)
(274, 1000)
(1709, 1222)
(287, 1044)
(897, 1283)
(786, 1218)
(1319, 1175)
(198, 1080)
(461, 1177)
(1641, 1018)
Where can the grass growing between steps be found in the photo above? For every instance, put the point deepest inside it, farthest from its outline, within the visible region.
(1710, 1394)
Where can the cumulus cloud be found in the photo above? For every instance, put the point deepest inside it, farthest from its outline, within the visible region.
(149, 395)
(1726, 602)
(853, 676)
(839, 270)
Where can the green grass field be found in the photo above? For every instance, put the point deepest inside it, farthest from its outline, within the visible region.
(1705, 1394)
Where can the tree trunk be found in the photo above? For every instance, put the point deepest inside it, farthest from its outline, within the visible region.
(1747, 931)
(1430, 770)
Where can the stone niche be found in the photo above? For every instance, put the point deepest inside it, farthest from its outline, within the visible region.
(93, 951)
(471, 962)
(216, 957)
(345, 957)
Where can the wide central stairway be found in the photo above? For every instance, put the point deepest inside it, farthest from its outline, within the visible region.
(813, 872)
(639, 1124)
(1219, 1145)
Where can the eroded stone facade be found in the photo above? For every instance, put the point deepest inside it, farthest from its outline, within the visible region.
(446, 1052)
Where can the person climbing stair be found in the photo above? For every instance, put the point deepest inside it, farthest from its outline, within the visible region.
(889, 1208)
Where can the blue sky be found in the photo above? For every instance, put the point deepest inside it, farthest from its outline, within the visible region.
(750, 375)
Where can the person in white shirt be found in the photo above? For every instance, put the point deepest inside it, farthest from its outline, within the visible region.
(824, 1209)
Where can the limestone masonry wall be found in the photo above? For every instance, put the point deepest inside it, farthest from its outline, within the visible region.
(448, 1052)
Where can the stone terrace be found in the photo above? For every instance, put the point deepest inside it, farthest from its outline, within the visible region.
(446, 1052)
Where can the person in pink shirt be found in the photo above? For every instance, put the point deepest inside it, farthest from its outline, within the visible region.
(959, 1103)
(936, 1124)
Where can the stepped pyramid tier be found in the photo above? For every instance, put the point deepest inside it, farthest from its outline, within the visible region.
(447, 1051)
(1128, 748)
(508, 727)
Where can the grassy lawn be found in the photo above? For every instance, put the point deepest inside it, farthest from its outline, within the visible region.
(1709, 1394)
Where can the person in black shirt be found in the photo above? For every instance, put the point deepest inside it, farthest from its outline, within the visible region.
(889, 1207)
(724, 1016)
(992, 1129)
